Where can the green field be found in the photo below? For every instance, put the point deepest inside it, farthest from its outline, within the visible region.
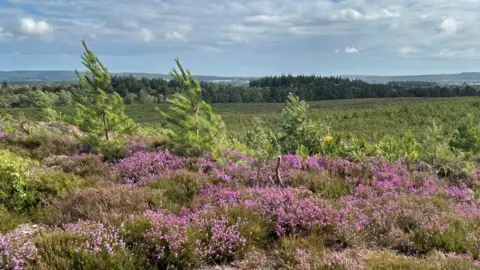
(370, 118)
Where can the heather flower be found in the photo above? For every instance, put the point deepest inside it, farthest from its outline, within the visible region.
(145, 166)
(302, 258)
(461, 193)
(223, 240)
(287, 213)
(16, 253)
(168, 233)
(96, 237)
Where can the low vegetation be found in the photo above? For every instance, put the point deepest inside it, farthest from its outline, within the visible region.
(284, 192)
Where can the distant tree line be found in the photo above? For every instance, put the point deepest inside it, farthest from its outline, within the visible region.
(265, 89)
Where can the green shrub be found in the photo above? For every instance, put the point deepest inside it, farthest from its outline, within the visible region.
(459, 237)
(467, 135)
(16, 181)
(10, 220)
(329, 186)
(51, 184)
(113, 150)
(179, 189)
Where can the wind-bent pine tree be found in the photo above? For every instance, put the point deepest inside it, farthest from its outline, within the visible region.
(102, 114)
(45, 104)
(193, 125)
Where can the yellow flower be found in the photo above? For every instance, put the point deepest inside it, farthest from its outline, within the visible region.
(328, 139)
(414, 155)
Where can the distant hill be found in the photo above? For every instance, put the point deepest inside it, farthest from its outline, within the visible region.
(44, 76)
(460, 78)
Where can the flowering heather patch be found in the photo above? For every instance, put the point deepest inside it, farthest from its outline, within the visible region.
(211, 237)
(461, 193)
(16, 253)
(222, 241)
(219, 210)
(143, 166)
(168, 233)
(95, 237)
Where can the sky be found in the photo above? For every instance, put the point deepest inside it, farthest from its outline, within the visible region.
(244, 37)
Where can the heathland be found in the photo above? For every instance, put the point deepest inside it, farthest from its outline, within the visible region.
(390, 183)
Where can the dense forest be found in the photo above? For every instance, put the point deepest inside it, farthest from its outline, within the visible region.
(266, 89)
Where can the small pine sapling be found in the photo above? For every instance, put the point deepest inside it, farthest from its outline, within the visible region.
(103, 114)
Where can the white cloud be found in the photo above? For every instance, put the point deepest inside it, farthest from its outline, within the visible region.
(351, 50)
(351, 14)
(336, 51)
(175, 36)
(448, 26)
(30, 27)
(406, 50)
(264, 19)
(146, 35)
(386, 27)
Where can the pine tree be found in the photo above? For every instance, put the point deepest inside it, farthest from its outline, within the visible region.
(45, 104)
(103, 114)
(298, 132)
(193, 126)
(4, 85)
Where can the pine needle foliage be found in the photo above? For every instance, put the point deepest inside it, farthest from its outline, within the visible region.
(45, 104)
(101, 114)
(193, 127)
(298, 133)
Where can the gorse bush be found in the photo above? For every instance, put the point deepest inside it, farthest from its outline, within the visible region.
(16, 181)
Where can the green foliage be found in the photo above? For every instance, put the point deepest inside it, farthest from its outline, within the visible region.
(261, 141)
(16, 181)
(179, 189)
(467, 135)
(21, 189)
(51, 184)
(10, 220)
(193, 126)
(113, 150)
(102, 114)
(45, 103)
(6, 123)
(328, 186)
(297, 130)
(404, 148)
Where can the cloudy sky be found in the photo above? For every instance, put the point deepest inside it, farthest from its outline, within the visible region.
(245, 37)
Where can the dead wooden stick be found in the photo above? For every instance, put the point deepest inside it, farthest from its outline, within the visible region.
(277, 171)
